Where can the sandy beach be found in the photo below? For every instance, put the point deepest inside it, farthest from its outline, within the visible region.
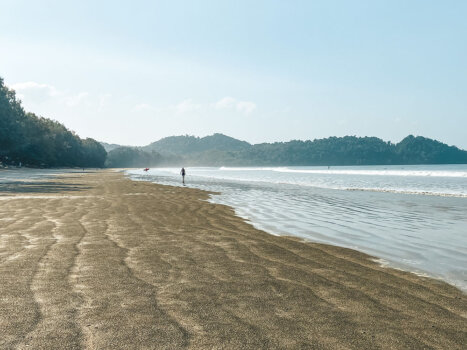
(96, 261)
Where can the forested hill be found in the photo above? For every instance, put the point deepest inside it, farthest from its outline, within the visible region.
(40, 142)
(218, 149)
(351, 150)
(110, 146)
(181, 145)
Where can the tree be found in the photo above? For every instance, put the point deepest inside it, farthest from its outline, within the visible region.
(35, 141)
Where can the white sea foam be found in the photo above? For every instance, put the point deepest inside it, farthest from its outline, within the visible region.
(332, 171)
(224, 168)
(378, 172)
(418, 192)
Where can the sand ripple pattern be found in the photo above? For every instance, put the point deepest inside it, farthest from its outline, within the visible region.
(125, 265)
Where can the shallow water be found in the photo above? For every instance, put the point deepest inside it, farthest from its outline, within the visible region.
(28, 174)
(412, 217)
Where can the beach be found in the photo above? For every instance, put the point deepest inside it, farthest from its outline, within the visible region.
(94, 260)
(410, 217)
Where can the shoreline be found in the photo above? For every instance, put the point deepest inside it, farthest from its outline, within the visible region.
(98, 260)
(448, 271)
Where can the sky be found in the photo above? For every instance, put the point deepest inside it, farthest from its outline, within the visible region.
(132, 72)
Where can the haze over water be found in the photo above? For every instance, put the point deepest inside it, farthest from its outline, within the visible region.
(411, 217)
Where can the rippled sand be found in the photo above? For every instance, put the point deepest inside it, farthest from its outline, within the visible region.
(100, 262)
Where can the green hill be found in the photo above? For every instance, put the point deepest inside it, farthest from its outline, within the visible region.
(182, 145)
(40, 142)
(35, 141)
(110, 146)
(218, 150)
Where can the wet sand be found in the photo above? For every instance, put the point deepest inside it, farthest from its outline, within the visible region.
(96, 261)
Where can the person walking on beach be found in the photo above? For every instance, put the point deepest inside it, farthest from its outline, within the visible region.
(182, 172)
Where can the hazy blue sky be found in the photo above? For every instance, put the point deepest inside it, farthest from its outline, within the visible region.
(132, 72)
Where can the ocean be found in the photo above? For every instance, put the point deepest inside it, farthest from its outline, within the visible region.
(409, 217)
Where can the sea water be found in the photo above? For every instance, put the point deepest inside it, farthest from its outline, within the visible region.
(409, 217)
(27, 174)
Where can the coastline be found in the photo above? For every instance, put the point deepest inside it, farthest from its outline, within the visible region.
(416, 233)
(107, 262)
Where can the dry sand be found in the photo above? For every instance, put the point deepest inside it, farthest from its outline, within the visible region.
(97, 261)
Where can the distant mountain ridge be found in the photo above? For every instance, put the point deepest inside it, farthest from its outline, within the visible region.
(222, 150)
(29, 140)
(181, 145)
(110, 146)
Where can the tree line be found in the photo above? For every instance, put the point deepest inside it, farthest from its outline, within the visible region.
(29, 140)
(221, 150)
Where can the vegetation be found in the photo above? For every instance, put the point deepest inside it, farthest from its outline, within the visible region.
(40, 142)
(132, 157)
(218, 149)
(191, 144)
(109, 146)
(421, 150)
